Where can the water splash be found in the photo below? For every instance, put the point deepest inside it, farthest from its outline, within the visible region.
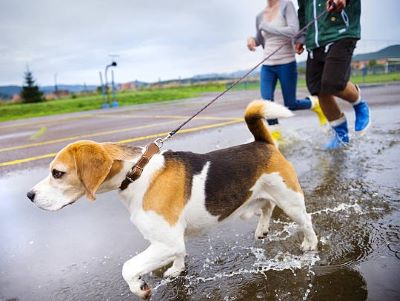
(262, 264)
(340, 207)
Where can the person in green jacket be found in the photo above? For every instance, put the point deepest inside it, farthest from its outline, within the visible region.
(330, 43)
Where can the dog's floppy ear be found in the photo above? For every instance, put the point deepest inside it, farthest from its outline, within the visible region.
(92, 166)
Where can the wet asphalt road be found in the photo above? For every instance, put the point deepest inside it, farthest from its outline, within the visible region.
(77, 253)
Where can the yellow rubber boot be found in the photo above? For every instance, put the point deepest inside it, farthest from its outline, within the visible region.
(317, 109)
(276, 134)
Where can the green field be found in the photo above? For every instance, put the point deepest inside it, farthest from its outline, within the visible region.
(85, 102)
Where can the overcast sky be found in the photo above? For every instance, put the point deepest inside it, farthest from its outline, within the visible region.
(159, 39)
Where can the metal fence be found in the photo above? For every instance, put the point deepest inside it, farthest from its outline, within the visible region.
(377, 69)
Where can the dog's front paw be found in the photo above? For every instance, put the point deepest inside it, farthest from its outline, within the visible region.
(309, 246)
(261, 233)
(145, 291)
(140, 289)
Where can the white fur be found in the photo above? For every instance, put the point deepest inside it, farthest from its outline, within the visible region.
(53, 195)
(292, 203)
(274, 110)
(195, 214)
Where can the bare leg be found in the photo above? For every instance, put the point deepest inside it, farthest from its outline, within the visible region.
(330, 107)
(350, 93)
(328, 102)
(263, 223)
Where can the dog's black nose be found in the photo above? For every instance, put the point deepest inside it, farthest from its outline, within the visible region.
(31, 195)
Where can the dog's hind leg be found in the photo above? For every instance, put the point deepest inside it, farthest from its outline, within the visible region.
(155, 256)
(294, 207)
(263, 222)
(292, 203)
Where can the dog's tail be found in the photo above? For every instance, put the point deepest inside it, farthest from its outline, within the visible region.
(256, 113)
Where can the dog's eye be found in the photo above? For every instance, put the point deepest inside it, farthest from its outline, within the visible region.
(57, 174)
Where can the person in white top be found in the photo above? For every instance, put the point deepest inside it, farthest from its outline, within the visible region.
(276, 25)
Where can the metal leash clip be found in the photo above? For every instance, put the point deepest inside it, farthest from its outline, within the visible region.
(159, 142)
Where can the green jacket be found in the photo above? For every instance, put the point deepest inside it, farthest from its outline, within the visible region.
(330, 27)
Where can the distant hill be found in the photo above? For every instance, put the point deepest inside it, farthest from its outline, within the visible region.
(388, 52)
(230, 75)
(391, 52)
(70, 88)
(7, 92)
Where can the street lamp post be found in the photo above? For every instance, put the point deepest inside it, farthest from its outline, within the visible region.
(114, 102)
(113, 64)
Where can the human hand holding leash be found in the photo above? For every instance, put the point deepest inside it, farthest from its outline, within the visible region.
(251, 44)
(299, 48)
(335, 6)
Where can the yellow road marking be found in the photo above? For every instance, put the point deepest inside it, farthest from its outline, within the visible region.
(195, 129)
(183, 131)
(44, 121)
(11, 148)
(39, 133)
(25, 160)
(82, 136)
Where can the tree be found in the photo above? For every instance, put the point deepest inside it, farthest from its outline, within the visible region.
(30, 91)
(372, 63)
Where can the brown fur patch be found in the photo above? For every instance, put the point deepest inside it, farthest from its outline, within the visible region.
(121, 152)
(168, 191)
(92, 163)
(115, 169)
(254, 117)
(279, 164)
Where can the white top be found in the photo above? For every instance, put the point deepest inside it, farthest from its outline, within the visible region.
(271, 35)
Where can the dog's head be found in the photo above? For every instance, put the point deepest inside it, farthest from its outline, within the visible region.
(81, 168)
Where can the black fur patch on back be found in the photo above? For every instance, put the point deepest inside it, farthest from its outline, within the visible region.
(232, 172)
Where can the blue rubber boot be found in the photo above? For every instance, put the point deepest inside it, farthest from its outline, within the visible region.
(341, 135)
(363, 120)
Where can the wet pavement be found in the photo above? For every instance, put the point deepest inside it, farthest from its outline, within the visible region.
(77, 253)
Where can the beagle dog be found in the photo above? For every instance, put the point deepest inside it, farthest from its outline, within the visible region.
(179, 193)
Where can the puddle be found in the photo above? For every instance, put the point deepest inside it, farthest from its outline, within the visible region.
(352, 195)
